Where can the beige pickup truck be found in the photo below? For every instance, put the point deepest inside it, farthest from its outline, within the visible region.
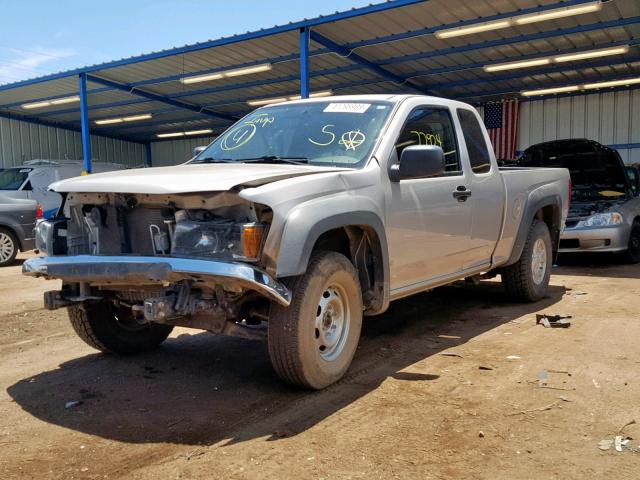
(296, 222)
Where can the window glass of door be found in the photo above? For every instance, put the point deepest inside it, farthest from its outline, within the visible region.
(431, 126)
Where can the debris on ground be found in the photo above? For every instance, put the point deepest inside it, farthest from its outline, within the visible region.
(513, 357)
(629, 423)
(543, 378)
(72, 404)
(605, 444)
(484, 367)
(451, 354)
(553, 321)
(481, 434)
(619, 443)
(540, 409)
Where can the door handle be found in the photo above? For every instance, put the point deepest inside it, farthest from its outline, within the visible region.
(461, 193)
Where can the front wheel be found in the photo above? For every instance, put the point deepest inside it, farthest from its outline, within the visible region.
(527, 280)
(312, 342)
(8, 247)
(114, 330)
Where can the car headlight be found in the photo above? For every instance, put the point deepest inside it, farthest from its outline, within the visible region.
(601, 220)
(218, 239)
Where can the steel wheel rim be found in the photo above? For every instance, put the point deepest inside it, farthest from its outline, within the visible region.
(6, 247)
(332, 322)
(539, 261)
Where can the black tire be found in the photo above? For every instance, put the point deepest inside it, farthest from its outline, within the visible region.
(113, 330)
(303, 354)
(632, 254)
(520, 280)
(8, 247)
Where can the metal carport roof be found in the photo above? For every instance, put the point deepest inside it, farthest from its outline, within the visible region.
(383, 48)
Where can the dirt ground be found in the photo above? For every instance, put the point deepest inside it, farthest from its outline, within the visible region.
(211, 407)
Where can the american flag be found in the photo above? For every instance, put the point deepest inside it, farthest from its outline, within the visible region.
(501, 120)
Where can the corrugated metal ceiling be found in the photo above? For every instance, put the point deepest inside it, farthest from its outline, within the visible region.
(399, 39)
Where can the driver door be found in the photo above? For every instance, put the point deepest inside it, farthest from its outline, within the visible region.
(428, 228)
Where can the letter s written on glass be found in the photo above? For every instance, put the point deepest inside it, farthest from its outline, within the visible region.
(325, 130)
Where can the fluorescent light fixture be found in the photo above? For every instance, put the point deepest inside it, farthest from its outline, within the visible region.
(49, 103)
(549, 91)
(603, 52)
(109, 121)
(236, 72)
(131, 118)
(613, 83)
(63, 100)
(471, 29)
(498, 67)
(268, 101)
(170, 135)
(558, 13)
(520, 20)
(182, 134)
(135, 118)
(199, 132)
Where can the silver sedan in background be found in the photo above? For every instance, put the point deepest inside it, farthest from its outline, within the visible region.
(17, 224)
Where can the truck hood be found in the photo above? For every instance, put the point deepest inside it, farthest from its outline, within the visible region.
(186, 178)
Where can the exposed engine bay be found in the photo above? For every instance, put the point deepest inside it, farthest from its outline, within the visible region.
(194, 229)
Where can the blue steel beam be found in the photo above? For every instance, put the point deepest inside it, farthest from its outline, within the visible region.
(354, 57)
(530, 72)
(84, 123)
(304, 62)
(71, 127)
(545, 85)
(147, 155)
(293, 26)
(359, 44)
(158, 98)
(431, 54)
(622, 22)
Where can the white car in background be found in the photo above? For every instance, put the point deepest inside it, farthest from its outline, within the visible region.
(31, 180)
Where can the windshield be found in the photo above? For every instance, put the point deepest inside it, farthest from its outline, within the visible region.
(318, 133)
(595, 174)
(13, 178)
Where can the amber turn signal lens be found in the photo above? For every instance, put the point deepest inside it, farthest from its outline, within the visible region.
(252, 240)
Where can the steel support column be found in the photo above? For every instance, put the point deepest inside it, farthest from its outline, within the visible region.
(84, 123)
(147, 155)
(304, 61)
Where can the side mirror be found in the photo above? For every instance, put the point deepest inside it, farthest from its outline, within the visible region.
(198, 150)
(418, 161)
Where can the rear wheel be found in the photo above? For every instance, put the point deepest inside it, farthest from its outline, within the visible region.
(8, 247)
(312, 342)
(632, 254)
(114, 330)
(527, 280)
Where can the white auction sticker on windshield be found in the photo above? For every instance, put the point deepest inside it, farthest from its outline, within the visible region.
(347, 107)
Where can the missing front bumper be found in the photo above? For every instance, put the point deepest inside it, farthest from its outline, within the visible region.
(119, 270)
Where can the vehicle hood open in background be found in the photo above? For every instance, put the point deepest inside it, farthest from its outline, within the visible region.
(186, 178)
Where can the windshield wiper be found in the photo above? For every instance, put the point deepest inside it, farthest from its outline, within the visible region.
(213, 160)
(276, 159)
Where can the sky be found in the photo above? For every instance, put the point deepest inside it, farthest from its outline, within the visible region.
(38, 37)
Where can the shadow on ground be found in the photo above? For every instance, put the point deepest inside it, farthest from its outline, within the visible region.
(591, 264)
(202, 389)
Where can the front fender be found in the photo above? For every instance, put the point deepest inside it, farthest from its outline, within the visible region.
(308, 221)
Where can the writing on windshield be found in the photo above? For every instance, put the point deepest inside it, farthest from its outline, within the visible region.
(338, 133)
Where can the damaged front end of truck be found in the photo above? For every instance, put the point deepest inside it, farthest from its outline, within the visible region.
(191, 260)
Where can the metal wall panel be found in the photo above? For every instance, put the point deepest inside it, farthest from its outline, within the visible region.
(22, 141)
(611, 118)
(175, 152)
